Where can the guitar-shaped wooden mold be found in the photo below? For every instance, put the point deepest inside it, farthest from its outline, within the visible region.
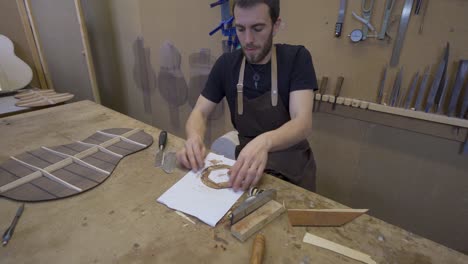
(14, 73)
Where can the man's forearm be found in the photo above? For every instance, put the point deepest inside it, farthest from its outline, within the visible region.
(196, 125)
(289, 134)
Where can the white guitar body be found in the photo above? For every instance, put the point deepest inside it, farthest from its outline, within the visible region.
(14, 73)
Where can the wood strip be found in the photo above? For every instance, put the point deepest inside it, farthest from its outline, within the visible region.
(87, 52)
(327, 244)
(48, 175)
(419, 115)
(101, 149)
(123, 138)
(257, 220)
(38, 67)
(77, 160)
(32, 23)
(323, 217)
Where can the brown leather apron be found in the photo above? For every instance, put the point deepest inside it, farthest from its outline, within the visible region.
(265, 113)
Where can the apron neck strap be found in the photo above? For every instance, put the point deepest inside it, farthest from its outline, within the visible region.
(274, 82)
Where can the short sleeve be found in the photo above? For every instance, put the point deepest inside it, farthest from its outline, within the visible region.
(303, 74)
(214, 87)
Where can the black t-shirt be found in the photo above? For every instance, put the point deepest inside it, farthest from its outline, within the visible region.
(295, 72)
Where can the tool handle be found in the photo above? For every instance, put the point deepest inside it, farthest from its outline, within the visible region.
(162, 139)
(258, 249)
(338, 28)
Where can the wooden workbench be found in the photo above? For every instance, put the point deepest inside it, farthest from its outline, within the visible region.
(120, 221)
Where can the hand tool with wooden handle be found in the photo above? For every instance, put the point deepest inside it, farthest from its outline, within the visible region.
(9, 232)
(339, 84)
(162, 144)
(258, 249)
(340, 21)
(322, 90)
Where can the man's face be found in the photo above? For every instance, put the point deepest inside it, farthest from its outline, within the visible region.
(255, 32)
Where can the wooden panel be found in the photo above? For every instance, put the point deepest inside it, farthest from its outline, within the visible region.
(323, 217)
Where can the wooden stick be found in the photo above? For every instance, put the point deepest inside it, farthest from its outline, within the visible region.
(38, 67)
(87, 52)
(327, 244)
(50, 85)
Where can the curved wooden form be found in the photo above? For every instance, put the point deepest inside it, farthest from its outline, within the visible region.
(58, 172)
(208, 182)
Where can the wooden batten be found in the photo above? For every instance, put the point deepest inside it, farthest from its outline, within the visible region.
(323, 217)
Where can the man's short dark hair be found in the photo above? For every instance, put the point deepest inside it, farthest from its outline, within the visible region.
(273, 5)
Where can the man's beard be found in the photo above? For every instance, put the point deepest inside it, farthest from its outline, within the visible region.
(263, 53)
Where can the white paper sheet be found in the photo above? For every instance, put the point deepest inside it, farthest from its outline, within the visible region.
(191, 196)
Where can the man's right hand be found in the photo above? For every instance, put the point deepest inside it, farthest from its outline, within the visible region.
(193, 154)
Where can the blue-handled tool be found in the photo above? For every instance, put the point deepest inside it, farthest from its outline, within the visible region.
(9, 232)
(220, 2)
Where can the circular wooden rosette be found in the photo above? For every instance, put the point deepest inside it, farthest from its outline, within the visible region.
(50, 173)
(208, 182)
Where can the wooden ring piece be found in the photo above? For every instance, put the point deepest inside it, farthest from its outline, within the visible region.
(208, 182)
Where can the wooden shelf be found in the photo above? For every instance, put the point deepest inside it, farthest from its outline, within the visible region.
(425, 123)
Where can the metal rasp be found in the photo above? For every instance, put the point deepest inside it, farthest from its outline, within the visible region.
(396, 88)
(405, 17)
(322, 90)
(411, 91)
(340, 20)
(382, 86)
(418, 106)
(460, 79)
(339, 84)
(162, 144)
(252, 204)
(436, 90)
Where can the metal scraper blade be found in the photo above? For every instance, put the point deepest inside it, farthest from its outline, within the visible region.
(169, 162)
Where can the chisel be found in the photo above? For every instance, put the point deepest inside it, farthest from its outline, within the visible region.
(436, 90)
(339, 84)
(340, 21)
(382, 86)
(396, 88)
(411, 91)
(460, 79)
(418, 106)
(162, 144)
(322, 90)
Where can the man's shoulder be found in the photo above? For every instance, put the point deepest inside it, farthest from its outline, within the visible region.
(229, 58)
(289, 50)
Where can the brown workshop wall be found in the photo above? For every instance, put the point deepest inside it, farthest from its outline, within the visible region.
(11, 27)
(408, 178)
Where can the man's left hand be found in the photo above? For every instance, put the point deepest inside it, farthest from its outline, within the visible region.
(249, 167)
